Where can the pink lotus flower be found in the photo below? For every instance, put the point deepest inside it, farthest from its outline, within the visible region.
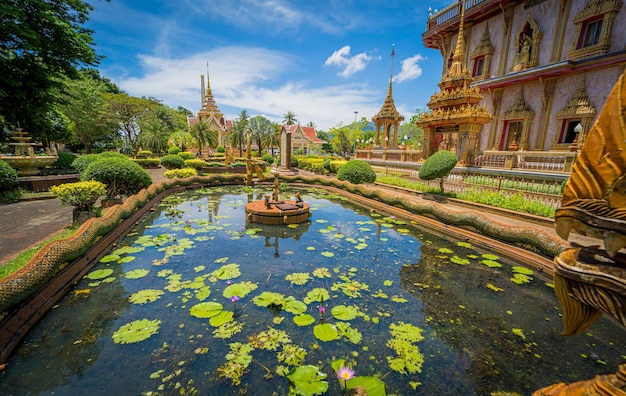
(345, 373)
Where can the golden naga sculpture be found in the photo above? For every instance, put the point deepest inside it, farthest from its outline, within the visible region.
(589, 280)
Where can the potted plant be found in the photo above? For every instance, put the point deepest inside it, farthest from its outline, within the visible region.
(82, 196)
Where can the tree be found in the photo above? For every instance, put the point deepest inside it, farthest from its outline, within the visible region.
(203, 135)
(260, 128)
(437, 166)
(273, 139)
(85, 109)
(327, 137)
(289, 118)
(127, 111)
(238, 134)
(42, 44)
(341, 144)
(414, 134)
(181, 139)
(154, 135)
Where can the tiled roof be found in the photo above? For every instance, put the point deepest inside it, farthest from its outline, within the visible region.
(309, 132)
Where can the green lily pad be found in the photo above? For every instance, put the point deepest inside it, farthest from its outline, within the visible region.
(109, 258)
(321, 273)
(298, 278)
(445, 250)
(310, 248)
(206, 309)
(373, 386)
(136, 274)
(126, 259)
(489, 256)
(521, 279)
(145, 296)
(328, 254)
(221, 318)
(99, 274)
(491, 263)
(303, 320)
(522, 270)
(326, 332)
(128, 250)
(266, 299)
(228, 271)
(319, 294)
(240, 289)
(136, 331)
(294, 306)
(343, 312)
(459, 260)
(308, 380)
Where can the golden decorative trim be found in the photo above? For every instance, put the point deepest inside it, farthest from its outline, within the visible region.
(597, 7)
(519, 110)
(527, 48)
(579, 106)
(594, 8)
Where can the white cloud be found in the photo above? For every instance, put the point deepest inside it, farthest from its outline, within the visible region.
(259, 85)
(350, 64)
(411, 69)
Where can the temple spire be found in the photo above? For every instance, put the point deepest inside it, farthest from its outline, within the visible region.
(458, 51)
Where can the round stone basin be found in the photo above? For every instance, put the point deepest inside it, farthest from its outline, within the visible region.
(280, 213)
(28, 166)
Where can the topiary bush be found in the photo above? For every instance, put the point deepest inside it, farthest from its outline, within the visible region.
(8, 177)
(357, 172)
(326, 164)
(220, 149)
(186, 155)
(120, 175)
(335, 165)
(180, 173)
(81, 195)
(195, 163)
(147, 162)
(294, 162)
(438, 166)
(64, 161)
(144, 154)
(81, 163)
(172, 161)
(269, 160)
(173, 150)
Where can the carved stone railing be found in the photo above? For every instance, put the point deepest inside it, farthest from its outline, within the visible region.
(449, 13)
(391, 155)
(545, 161)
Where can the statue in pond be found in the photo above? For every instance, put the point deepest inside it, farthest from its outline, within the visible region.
(591, 280)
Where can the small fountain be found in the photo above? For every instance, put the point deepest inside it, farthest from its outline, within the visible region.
(24, 159)
(273, 211)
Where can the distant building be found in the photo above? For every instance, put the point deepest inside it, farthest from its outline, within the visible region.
(211, 114)
(542, 67)
(303, 138)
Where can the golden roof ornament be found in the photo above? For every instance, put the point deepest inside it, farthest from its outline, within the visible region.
(388, 110)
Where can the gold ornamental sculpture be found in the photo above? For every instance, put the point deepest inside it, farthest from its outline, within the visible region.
(591, 280)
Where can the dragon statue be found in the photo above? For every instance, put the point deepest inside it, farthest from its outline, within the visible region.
(591, 280)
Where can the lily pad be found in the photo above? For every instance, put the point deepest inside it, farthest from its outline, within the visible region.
(136, 331)
(206, 309)
(109, 258)
(294, 306)
(126, 259)
(136, 274)
(99, 274)
(266, 299)
(221, 318)
(321, 273)
(319, 294)
(308, 380)
(240, 289)
(145, 296)
(326, 332)
(303, 320)
(328, 254)
(298, 278)
(228, 271)
(343, 312)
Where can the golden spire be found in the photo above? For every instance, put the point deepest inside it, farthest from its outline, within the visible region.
(388, 111)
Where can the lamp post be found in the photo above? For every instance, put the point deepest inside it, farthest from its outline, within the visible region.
(574, 147)
(355, 113)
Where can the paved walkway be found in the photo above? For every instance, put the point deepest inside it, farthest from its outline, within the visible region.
(25, 224)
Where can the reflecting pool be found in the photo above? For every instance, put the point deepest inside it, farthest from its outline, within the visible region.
(195, 300)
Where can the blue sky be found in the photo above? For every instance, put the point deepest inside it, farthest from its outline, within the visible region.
(323, 60)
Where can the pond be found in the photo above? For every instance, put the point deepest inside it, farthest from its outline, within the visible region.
(194, 300)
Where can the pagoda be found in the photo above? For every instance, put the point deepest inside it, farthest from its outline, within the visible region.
(388, 119)
(210, 113)
(456, 115)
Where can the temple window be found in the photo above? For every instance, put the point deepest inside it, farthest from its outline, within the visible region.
(594, 24)
(482, 57)
(578, 110)
(568, 133)
(479, 66)
(512, 133)
(527, 46)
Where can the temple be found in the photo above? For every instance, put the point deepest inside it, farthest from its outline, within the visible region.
(210, 113)
(388, 119)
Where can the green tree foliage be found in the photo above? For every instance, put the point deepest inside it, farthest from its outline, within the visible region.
(203, 135)
(341, 143)
(8, 177)
(128, 112)
(86, 111)
(154, 135)
(357, 172)
(238, 134)
(438, 166)
(42, 42)
(261, 129)
(81, 195)
(290, 118)
(172, 161)
(414, 134)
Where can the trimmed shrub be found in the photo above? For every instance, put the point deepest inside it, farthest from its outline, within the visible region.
(186, 155)
(180, 173)
(269, 160)
(294, 162)
(357, 172)
(64, 161)
(81, 163)
(8, 177)
(172, 161)
(326, 164)
(81, 195)
(218, 155)
(195, 163)
(314, 164)
(144, 154)
(220, 149)
(438, 166)
(147, 162)
(173, 150)
(120, 175)
(335, 165)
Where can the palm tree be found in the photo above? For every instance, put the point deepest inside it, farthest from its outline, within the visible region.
(203, 135)
(238, 135)
(289, 118)
(154, 135)
(272, 139)
(260, 127)
(181, 139)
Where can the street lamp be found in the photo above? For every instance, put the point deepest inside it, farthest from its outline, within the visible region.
(355, 113)
(577, 130)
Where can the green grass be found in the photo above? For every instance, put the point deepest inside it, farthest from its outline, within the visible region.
(23, 258)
